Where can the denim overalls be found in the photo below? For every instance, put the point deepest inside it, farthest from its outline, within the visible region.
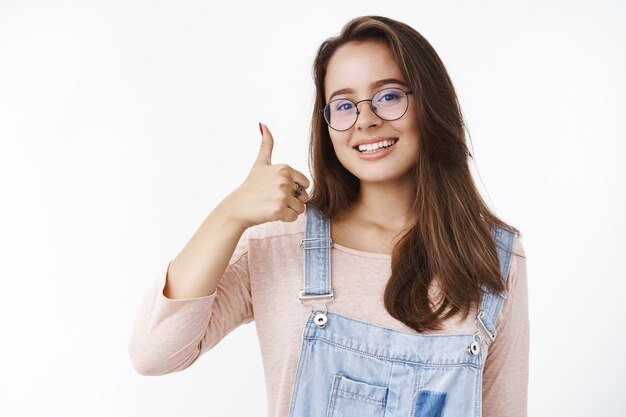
(349, 368)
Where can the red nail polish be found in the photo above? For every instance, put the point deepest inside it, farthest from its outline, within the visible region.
(261, 127)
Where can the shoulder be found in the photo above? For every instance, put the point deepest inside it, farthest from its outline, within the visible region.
(515, 308)
(511, 253)
(517, 270)
(518, 247)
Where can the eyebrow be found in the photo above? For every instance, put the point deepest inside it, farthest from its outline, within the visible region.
(374, 84)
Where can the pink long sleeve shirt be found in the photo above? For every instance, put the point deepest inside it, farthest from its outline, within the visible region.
(261, 283)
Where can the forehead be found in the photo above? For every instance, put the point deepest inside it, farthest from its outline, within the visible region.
(356, 65)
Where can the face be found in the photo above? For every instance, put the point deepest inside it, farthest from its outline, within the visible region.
(357, 66)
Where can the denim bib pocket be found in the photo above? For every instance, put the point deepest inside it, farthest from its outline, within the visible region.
(351, 398)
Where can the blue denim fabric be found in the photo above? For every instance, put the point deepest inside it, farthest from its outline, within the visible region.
(350, 368)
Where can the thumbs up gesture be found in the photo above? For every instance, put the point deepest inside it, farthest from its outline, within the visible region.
(267, 193)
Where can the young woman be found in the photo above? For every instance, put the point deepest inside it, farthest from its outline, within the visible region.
(392, 289)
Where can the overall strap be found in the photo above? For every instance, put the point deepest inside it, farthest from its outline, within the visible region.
(316, 257)
(491, 302)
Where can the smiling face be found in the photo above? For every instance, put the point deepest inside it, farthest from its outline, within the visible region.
(358, 66)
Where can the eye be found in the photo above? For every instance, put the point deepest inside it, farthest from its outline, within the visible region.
(343, 105)
(389, 96)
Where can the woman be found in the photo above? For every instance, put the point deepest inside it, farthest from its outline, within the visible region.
(425, 312)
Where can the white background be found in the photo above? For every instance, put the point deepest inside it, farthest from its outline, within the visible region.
(123, 124)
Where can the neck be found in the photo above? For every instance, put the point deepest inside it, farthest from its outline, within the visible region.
(383, 207)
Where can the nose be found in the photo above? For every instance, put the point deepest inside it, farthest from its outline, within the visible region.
(366, 117)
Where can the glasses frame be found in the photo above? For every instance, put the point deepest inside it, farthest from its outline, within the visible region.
(358, 112)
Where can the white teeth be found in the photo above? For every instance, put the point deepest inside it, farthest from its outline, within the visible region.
(377, 145)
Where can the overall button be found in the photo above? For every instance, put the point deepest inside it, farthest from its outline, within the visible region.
(320, 320)
(474, 348)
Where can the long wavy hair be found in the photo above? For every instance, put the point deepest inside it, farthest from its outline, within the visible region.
(450, 240)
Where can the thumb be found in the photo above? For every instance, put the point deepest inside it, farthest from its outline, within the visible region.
(265, 151)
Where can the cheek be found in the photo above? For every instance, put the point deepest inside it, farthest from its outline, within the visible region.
(339, 140)
(409, 127)
(409, 120)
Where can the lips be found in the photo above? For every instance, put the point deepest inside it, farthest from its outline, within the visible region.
(373, 140)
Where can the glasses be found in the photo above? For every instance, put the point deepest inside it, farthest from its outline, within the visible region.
(388, 104)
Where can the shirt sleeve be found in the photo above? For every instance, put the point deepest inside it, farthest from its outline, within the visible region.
(169, 335)
(505, 377)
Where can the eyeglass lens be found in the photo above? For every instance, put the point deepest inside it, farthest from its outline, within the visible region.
(388, 104)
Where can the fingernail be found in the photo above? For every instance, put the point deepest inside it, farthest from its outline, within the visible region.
(261, 128)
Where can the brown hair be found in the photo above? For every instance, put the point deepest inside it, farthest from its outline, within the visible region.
(450, 238)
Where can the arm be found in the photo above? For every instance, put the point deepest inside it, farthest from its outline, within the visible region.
(190, 309)
(206, 292)
(505, 378)
(198, 268)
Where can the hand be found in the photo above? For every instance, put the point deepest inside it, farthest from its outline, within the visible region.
(267, 193)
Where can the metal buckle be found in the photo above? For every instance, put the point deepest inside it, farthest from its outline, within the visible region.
(318, 238)
(304, 296)
(479, 317)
